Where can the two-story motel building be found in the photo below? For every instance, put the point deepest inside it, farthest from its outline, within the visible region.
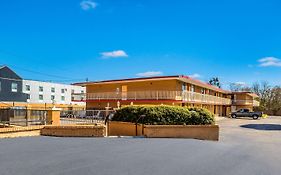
(167, 90)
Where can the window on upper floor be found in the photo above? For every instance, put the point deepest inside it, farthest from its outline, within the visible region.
(27, 87)
(72, 91)
(14, 87)
(62, 98)
(62, 91)
(41, 97)
(52, 97)
(53, 90)
(82, 92)
(203, 91)
(184, 87)
(117, 90)
(28, 96)
(192, 88)
(41, 88)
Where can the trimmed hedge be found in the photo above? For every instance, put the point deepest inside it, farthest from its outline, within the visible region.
(165, 115)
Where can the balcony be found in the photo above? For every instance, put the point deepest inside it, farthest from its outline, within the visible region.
(246, 102)
(188, 97)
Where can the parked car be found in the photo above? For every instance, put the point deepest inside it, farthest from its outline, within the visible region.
(246, 113)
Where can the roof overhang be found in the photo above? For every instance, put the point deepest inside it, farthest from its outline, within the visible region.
(129, 80)
(182, 78)
(247, 93)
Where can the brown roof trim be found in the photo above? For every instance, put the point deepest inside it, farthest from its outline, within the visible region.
(178, 77)
(246, 92)
(207, 85)
(127, 79)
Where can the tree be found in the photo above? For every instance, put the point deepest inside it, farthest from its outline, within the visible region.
(264, 91)
(274, 103)
(215, 81)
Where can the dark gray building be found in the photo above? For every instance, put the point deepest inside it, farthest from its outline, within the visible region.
(11, 86)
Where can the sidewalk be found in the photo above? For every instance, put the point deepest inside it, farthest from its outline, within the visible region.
(220, 118)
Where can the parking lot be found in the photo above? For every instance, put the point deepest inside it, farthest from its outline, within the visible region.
(246, 147)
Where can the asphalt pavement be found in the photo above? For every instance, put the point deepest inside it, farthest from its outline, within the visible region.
(246, 147)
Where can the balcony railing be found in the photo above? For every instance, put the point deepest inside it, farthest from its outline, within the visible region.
(155, 95)
(246, 102)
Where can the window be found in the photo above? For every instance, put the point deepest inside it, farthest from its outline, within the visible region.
(53, 90)
(40, 97)
(41, 89)
(184, 87)
(0, 86)
(72, 91)
(192, 88)
(27, 87)
(62, 91)
(82, 92)
(14, 87)
(28, 96)
(62, 98)
(203, 91)
(52, 97)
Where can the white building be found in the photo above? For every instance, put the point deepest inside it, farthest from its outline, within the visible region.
(48, 92)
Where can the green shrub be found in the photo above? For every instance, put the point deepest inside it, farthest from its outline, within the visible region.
(164, 115)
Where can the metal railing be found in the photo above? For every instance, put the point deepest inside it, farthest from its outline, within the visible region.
(185, 96)
(84, 116)
(204, 98)
(22, 117)
(246, 102)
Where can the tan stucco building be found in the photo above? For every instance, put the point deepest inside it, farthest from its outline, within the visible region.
(177, 90)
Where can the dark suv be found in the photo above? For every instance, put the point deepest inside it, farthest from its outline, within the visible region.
(246, 113)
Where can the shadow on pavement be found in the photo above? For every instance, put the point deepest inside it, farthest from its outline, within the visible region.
(271, 127)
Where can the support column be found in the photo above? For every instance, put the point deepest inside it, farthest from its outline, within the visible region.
(107, 121)
(53, 116)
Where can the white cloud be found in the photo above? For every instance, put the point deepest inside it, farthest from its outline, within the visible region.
(195, 76)
(240, 83)
(114, 54)
(269, 62)
(149, 74)
(88, 5)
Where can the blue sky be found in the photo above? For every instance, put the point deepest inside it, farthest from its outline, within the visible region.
(71, 40)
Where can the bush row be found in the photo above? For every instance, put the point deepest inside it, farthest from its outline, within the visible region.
(164, 115)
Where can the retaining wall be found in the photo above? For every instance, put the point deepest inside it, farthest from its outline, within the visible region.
(74, 131)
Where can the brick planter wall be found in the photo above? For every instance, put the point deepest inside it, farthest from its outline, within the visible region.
(123, 129)
(203, 132)
(74, 131)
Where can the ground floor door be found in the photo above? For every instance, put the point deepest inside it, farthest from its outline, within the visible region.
(233, 108)
(224, 110)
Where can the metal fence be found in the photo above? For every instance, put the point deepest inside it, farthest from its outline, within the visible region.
(85, 116)
(29, 117)
(22, 117)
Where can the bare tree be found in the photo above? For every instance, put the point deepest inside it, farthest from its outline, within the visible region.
(264, 91)
(274, 102)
